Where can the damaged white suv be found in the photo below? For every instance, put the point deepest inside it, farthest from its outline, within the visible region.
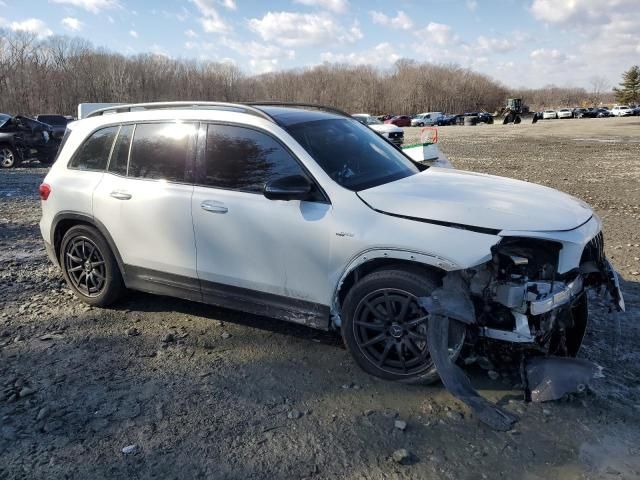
(302, 213)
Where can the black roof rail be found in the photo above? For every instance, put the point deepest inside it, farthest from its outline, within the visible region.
(299, 105)
(242, 107)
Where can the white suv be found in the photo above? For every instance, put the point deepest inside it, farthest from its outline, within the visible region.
(303, 214)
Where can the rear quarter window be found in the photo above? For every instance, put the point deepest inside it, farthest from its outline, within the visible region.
(94, 153)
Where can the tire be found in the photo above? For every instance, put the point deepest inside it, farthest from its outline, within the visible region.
(393, 349)
(83, 243)
(8, 157)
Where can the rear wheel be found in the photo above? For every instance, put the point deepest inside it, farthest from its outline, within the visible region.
(8, 157)
(89, 266)
(385, 329)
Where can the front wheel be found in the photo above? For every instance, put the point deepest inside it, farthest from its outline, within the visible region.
(385, 329)
(89, 266)
(8, 157)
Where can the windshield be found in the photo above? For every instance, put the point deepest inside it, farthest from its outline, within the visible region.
(368, 120)
(4, 118)
(353, 155)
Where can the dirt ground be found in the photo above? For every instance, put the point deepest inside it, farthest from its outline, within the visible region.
(208, 393)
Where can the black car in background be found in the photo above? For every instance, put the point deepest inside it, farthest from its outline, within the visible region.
(23, 138)
(584, 113)
(58, 123)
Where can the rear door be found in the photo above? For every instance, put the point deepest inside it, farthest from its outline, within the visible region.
(144, 201)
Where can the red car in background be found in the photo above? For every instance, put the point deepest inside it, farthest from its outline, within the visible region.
(400, 121)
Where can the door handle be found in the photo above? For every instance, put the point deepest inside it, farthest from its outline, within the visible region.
(214, 206)
(120, 195)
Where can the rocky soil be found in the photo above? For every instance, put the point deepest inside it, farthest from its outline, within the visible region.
(162, 388)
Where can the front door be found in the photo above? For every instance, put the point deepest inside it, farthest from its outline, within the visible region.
(251, 249)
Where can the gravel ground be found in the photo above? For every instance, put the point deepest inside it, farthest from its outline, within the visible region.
(158, 387)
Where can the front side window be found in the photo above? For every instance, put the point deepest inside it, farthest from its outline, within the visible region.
(160, 150)
(94, 152)
(239, 158)
(351, 154)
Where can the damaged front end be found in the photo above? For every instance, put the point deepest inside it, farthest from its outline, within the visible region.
(521, 302)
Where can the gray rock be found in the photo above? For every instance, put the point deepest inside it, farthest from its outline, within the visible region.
(493, 375)
(401, 456)
(133, 332)
(43, 413)
(168, 338)
(455, 415)
(400, 425)
(225, 335)
(130, 449)
(294, 414)
(26, 391)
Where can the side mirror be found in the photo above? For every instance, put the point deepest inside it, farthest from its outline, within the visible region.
(293, 187)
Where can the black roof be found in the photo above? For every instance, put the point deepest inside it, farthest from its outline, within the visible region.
(287, 116)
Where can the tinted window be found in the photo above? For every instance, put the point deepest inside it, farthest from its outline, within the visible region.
(352, 154)
(94, 152)
(240, 158)
(52, 120)
(160, 150)
(120, 155)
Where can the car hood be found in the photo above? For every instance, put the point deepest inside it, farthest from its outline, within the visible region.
(478, 200)
(386, 128)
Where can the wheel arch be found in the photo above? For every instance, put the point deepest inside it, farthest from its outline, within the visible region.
(378, 259)
(63, 221)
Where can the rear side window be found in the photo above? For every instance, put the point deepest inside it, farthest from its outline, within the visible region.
(244, 159)
(94, 152)
(160, 151)
(120, 155)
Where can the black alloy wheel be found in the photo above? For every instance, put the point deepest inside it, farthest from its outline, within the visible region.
(391, 331)
(85, 265)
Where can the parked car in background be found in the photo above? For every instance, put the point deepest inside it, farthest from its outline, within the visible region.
(23, 138)
(602, 112)
(447, 120)
(58, 123)
(621, 111)
(584, 113)
(400, 121)
(426, 119)
(636, 110)
(389, 131)
(548, 114)
(564, 113)
(483, 117)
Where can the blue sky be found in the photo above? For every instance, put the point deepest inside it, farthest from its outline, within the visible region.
(529, 43)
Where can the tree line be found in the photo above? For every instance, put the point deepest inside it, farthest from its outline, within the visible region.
(55, 74)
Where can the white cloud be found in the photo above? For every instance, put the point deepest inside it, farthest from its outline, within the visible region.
(338, 6)
(472, 5)
(438, 33)
(264, 65)
(494, 45)
(133, 33)
(211, 20)
(302, 29)
(93, 6)
(190, 33)
(72, 24)
(548, 56)
(229, 4)
(32, 25)
(400, 21)
(258, 50)
(382, 54)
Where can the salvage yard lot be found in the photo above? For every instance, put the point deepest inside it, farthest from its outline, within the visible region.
(208, 393)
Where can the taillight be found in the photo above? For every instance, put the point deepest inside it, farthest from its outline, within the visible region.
(45, 191)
